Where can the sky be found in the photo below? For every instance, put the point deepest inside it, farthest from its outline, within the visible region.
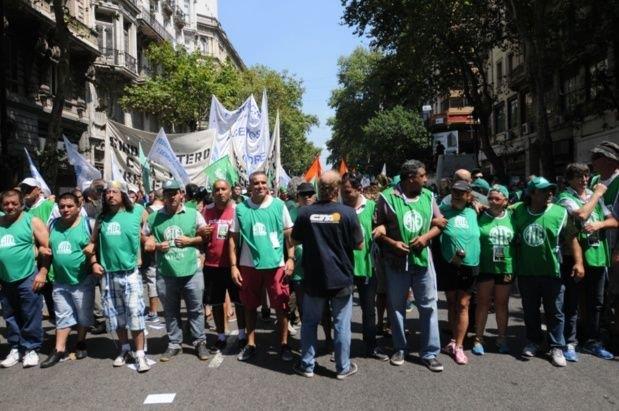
(306, 38)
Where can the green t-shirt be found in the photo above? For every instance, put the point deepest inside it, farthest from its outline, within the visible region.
(17, 259)
(191, 204)
(414, 219)
(496, 238)
(363, 258)
(42, 210)
(68, 259)
(538, 252)
(119, 240)
(460, 233)
(176, 262)
(263, 231)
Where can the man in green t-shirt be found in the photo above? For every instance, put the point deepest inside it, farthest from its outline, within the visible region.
(174, 232)
(20, 234)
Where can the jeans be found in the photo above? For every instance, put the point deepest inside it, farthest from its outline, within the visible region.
(341, 309)
(21, 309)
(549, 292)
(170, 290)
(593, 285)
(423, 282)
(367, 299)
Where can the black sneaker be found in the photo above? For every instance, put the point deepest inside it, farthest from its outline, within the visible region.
(169, 354)
(378, 354)
(352, 369)
(299, 370)
(80, 350)
(433, 364)
(219, 346)
(397, 358)
(98, 328)
(248, 352)
(55, 358)
(286, 353)
(202, 351)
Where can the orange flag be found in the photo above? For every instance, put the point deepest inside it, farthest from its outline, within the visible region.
(343, 168)
(314, 171)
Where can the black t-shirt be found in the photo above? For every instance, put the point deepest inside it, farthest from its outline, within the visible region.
(329, 233)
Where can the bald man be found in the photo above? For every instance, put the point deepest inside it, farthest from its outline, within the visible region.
(479, 200)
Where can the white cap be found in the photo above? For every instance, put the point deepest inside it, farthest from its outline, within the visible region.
(29, 181)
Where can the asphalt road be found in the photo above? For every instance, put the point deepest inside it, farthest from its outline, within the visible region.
(494, 381)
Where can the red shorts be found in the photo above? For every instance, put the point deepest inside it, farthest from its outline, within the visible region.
(253, 282)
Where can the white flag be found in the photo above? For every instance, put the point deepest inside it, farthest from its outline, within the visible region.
(384, 170)
(84, 171)
(161, 153)
(37, 176)
(117, 175)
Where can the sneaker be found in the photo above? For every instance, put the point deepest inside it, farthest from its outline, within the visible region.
(352, 369)
(570, 353)
(530, 350)
(122, 358)
(378, 354)
(397, 358)
(152, 318)
(433, 364)
(450, 348)
(557, 358)
(55, 358)
(248, 352)
(202, 351)
(219, 346)
(291, 329)
(98, 328)
(502, 346)
(478, 348)
(11, 359)
(299, 370)
(141, 364)
(460, 357)
(286, 353)
(598, 350)
(31, 359)
(80, 350)
(169, 354)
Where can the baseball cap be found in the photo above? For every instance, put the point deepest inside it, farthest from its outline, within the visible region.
(500, 189)
(31, 182)
(172, 185)
(607, 149)
(306, 188)
(540, 183)
(461, 186)
(481, 183)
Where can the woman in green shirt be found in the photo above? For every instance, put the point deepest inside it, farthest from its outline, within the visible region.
(495, 267)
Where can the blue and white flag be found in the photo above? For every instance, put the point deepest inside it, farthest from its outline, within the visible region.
(117, 174)
(37, 176)
(84, 171)
(161, 153)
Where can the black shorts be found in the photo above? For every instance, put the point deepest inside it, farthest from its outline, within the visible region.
(499, 279)
(453, 278)
(218, 280)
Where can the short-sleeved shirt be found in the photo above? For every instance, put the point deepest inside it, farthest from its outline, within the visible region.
(460, 234)
(329, 233)
(246, 259)
(217, 247)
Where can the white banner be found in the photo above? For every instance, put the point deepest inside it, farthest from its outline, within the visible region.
(37, 176)
(161, 153)
(192, 150)
(84, 171)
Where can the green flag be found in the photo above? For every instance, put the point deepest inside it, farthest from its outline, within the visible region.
(145, 169)
(221, 169)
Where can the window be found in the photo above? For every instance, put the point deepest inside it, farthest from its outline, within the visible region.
(598, 73)
(510, 64)
(499, 118)
(105, 39)
(574, 92)
(513, 113)
(499, 74)
(528, 113)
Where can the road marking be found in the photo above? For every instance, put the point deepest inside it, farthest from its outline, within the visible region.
(159, 398)
(216, 361)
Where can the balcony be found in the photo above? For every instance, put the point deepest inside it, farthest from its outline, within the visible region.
(179, 17)
(119, 60)
(152, 27)
(517, 77)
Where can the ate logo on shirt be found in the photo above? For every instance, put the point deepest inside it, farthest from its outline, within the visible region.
(259, 229)
(64, 248)
(500, 235)
(113, 229)
(7, 241)
(534, 235)
(172, 232)
(413, 221)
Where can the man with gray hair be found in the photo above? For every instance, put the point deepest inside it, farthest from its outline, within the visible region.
(478, 198)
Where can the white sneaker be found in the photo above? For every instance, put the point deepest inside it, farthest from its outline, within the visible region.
(142, 363)
(558, 359)
(530, 350)
(122, 358)
(31, 359)
(11, 359)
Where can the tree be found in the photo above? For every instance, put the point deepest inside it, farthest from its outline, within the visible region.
(432, 47)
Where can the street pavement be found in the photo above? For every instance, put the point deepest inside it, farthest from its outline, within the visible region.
(494, 381)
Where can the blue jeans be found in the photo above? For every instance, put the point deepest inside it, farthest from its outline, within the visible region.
(22, 311)
(536, 290)
(341, 309)
(367, 300)
(423, 282)
(170, 290)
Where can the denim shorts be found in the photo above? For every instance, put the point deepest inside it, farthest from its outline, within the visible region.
(73, 304)
(123, 303)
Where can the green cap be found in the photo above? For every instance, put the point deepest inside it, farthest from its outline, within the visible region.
(171, 185)
(540, 183)
(481, 183)
(501, 189)
(395, 181)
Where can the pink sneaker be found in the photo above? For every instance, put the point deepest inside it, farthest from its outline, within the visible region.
(450, 348)
(460, 357)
